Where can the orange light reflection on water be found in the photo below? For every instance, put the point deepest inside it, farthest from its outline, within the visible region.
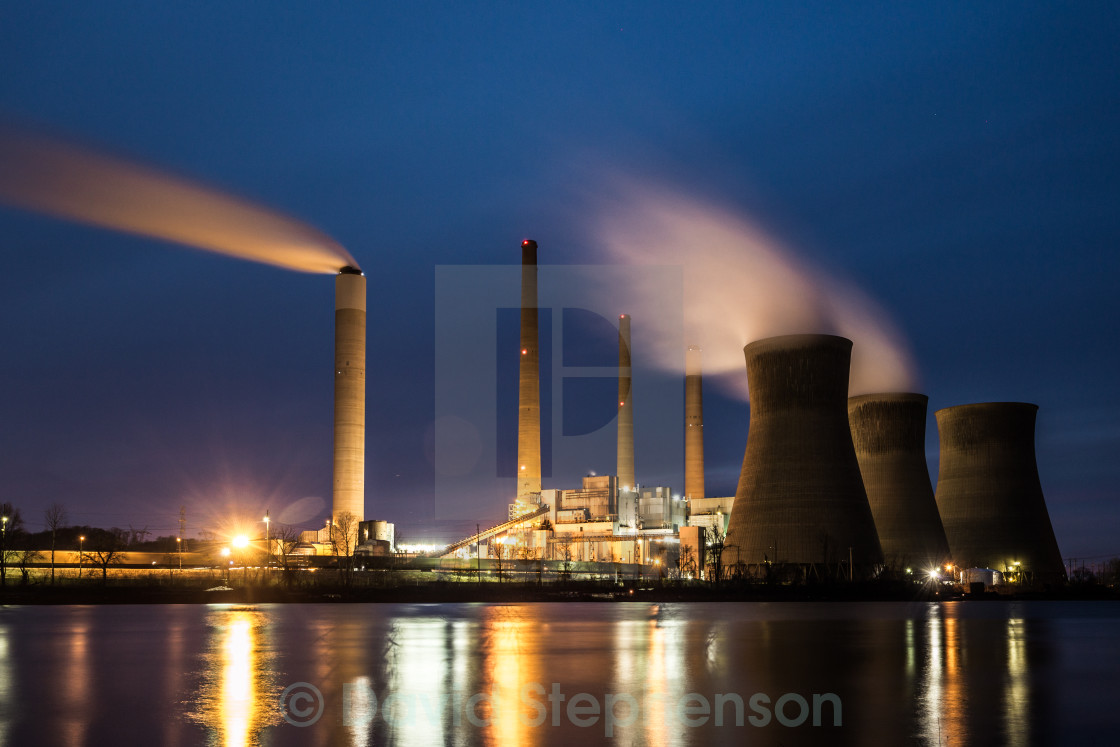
(942, 689)
(1017, 690)
(237, 698)
(508, 631)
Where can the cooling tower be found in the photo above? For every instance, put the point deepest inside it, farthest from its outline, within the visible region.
(349, 393)
(693, 425)
(625, 408)
(889, 435)
(989, 494)
(529, 382)
(800, 500)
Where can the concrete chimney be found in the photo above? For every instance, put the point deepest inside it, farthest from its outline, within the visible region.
(349, 393)
(625, 408)
(800, 502)
(889, 435)
(529, 382)
(989, 494)
(693, 425)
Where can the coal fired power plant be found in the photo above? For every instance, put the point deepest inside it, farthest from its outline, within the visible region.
(831, 488)
(800, 502)
(989, 494)
(349, 393)
(889, 436)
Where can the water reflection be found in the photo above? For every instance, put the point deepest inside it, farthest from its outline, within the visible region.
(416, 701)
(1017, 689)
(7, 702)
(942, 692)
(76, 695)
(959, 674)
(975, 682)
(662, 679)
(510, 667)
(238, 695)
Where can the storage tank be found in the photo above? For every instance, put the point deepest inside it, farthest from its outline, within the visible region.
(385, 531)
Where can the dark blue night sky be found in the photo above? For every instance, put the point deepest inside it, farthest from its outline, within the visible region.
(957, 162)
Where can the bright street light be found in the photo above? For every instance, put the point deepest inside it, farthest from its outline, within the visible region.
(267, 541)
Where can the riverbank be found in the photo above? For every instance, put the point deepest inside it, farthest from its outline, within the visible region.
(491, 592)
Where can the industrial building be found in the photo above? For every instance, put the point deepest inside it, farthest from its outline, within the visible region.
(608, 518)
(831, 487)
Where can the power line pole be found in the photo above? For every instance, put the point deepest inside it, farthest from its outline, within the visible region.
(182, 530)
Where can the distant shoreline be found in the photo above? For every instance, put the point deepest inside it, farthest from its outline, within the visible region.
(510, 593)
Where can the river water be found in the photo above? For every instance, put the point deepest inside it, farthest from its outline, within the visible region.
(961, 673)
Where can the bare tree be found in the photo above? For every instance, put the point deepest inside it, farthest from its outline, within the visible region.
(686, 562)
(525, 556)
(713, 539)
(106, 549)
(137, 536)
(10, 525)
(55, 518)
(25, 558)
(499, 550)
(285, 537)
(565, 549)
(344, 538)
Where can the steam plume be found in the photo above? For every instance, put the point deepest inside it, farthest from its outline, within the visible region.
(60, 179)
(741, 285)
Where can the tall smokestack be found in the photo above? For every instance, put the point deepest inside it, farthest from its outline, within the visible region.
(529, 382)
(800, 499)
(349, 393)
(988, 491)
(625, 408)
(889, 435)
(693, 425)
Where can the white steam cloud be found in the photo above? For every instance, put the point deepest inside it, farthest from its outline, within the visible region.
(63, 180)
(740, 285)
